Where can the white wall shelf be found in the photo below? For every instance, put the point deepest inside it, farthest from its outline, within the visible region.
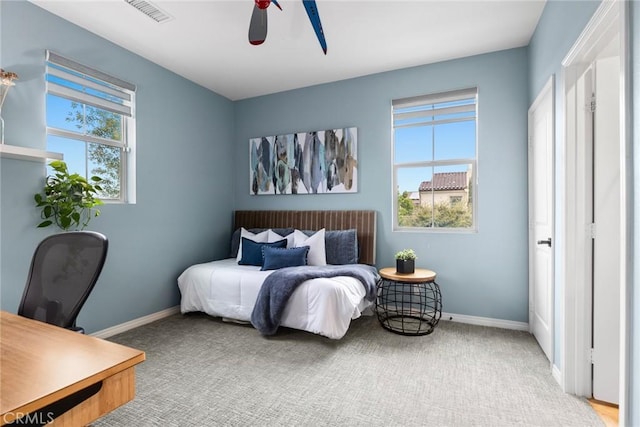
(24, 153)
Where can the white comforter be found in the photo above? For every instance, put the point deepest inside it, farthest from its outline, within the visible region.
(223, 288)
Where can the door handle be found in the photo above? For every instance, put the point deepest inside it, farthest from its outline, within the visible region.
(545, 242)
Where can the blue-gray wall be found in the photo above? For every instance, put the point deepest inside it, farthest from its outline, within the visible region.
(187, 135)
(184, 206)
(481, 274)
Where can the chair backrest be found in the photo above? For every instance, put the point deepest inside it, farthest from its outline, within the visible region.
(64, 270)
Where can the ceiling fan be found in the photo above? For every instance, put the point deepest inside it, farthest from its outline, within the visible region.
(258, 24)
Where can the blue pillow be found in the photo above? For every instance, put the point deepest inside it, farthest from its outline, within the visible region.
(275, 258)
(341, 246)
(252, 251)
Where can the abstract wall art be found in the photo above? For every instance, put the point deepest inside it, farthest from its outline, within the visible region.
(304, 163)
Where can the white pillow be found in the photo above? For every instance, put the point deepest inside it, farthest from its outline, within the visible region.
(274, 237)
(258, 238)
(317, 254)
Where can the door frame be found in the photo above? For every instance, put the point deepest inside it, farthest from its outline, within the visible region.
(547, 90)
(576, 294)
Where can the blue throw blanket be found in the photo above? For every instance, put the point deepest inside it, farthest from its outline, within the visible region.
(279, 285)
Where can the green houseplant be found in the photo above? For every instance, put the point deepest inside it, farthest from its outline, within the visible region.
(68, 200)
(406, 261)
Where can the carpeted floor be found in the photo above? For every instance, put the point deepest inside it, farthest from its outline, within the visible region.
(201, 371)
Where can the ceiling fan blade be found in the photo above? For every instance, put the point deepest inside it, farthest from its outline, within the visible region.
(314, 17)
(258, 26)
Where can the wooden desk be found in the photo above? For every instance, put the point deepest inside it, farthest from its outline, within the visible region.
(41, 364)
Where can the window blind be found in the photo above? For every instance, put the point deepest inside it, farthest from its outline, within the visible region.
(447, 107)
(79, 83)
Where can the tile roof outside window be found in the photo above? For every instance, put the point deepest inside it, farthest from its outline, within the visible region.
(446, 181)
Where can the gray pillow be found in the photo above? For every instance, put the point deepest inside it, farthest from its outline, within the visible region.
(341, 246)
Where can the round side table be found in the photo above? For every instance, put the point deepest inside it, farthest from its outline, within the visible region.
(408, 304)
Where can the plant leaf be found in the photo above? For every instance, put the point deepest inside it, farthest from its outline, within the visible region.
(65, 222)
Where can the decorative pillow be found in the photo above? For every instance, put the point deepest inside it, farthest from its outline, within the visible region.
(246, 234)
(235, 237)
(277, 235)
(275, 258)
(252, 251)
(317, 254)
(341, 246)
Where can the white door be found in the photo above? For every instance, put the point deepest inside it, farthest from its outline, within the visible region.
(607, 229)
(594, 311)
(541, 142)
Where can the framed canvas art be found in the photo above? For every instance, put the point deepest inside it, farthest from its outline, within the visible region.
(304, 163)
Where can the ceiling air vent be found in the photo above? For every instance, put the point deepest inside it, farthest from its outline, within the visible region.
(150, 10)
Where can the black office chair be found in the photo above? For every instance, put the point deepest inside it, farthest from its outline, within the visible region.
(64, 270)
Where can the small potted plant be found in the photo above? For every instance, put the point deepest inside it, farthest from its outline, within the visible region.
(406, 261)
(68, 200)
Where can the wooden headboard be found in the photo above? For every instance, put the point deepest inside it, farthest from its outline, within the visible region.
(363, 221)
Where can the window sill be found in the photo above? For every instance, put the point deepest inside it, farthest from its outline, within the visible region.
(30, 154)
(435, 230)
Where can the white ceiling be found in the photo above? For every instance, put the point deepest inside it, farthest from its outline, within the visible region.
(207, 40)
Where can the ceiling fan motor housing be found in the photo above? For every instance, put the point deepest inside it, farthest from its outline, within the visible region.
(263, 4)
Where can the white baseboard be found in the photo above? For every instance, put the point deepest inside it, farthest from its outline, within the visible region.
(123, 327)
(461, 318)
(557, 375)
(486, 321)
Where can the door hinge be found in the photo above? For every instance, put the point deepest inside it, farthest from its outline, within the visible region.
(592, 104)
(591, 356)
(591, 229)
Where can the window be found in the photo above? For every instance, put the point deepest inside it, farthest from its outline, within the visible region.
(434, 161)
(90, 119)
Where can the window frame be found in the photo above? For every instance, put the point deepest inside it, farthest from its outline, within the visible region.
(423, 100)
(124, 106)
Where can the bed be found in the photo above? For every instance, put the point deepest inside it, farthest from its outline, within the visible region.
(326, 299)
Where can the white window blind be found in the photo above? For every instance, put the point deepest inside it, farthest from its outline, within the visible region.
(74, 81)
(448, 107)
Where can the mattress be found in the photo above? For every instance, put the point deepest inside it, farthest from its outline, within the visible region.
(323, 306)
